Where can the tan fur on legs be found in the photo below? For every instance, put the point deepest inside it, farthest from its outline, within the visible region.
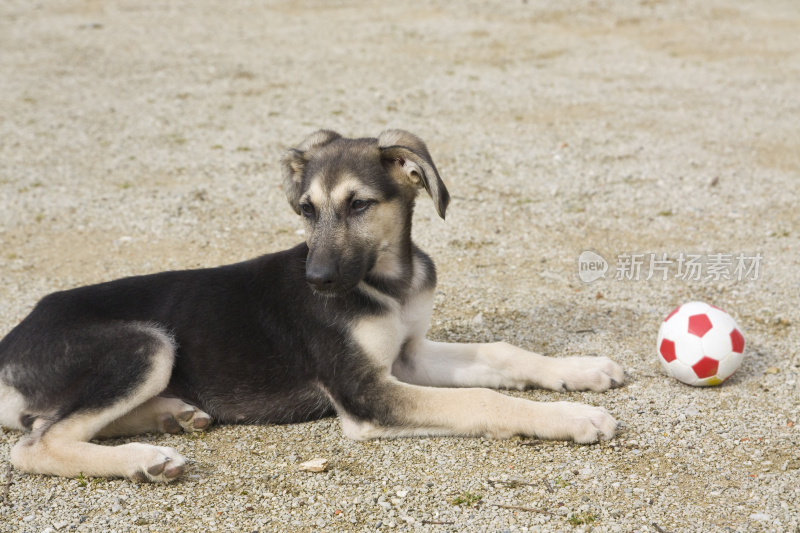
(158, 415)
(483, 412)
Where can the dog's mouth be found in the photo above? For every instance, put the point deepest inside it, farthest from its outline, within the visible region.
(331, 292)
(333, 289)
(328, 292)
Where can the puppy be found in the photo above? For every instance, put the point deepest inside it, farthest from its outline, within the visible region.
(335, 325)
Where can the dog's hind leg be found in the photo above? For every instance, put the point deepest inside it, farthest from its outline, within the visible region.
(158, 415)
(59, 443)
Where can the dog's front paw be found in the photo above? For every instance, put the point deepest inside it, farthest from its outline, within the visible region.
(592, 424)
(579, 422)
(155, 463)
(583, 373)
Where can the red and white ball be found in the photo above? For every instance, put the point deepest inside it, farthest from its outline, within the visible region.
(700, 344)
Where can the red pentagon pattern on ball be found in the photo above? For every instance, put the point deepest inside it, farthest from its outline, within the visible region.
(699, 325)
(705, 367)
(668, 350)
(737, 341)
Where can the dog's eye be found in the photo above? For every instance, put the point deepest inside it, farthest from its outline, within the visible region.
(359, 206)
(307, 210)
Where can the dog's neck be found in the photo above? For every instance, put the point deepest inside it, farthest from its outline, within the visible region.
(394, 269)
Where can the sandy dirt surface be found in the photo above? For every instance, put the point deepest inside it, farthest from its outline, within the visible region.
(142, 136)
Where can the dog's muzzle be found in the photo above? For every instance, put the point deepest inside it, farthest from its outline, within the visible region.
(323, 277)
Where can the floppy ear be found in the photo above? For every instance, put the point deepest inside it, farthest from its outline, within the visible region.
(294, 161)
(407, 159)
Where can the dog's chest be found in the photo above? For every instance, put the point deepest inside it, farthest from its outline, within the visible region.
(382, 337)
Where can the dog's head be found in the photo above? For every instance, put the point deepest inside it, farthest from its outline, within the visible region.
(357, 198)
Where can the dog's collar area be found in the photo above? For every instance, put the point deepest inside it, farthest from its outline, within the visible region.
(394, 288)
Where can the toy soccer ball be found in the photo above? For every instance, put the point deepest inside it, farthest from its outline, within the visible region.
(700, 344)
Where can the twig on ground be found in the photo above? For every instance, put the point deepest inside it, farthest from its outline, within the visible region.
(521, 508)
(7, 486)
(512, 483)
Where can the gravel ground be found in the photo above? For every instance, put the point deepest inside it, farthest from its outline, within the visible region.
(142, 136)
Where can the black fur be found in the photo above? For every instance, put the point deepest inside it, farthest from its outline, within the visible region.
(254, 343)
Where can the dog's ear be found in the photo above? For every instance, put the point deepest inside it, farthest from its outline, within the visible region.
(294, 161)
(407, 159)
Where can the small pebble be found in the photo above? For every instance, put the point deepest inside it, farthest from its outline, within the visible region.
(318, 464)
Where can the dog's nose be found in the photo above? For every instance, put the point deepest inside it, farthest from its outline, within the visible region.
(322, 277)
